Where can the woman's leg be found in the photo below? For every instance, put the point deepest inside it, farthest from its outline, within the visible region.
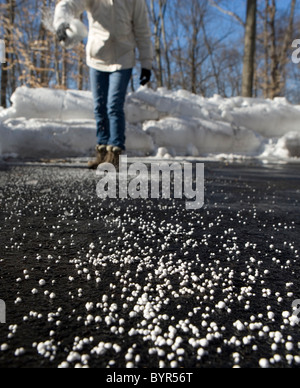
(118, 84)
(100, 86)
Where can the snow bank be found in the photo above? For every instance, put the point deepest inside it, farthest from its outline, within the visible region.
(50, 104)
(51, 123)
(44, 138)
(286, 147)
(54, 123)
(268, 118)
(190, 125)
(196, 137)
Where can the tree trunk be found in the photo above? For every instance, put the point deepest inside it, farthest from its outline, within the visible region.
(275, 76)
(194, 60)
(157, 46)
(162, 12)
(266, 85)
(250, 45)
(4, 81)
(64, 69)
(56, 62)
(9, 19)
(80, 69)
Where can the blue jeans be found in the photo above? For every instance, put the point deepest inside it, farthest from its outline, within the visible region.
(109, 93)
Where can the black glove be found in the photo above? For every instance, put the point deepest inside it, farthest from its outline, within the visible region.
(62, 32)
(145, 77)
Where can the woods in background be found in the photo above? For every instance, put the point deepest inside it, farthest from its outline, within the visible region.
(34, 56)
(203, 46)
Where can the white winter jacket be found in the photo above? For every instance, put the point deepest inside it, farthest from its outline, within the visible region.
(116, 29)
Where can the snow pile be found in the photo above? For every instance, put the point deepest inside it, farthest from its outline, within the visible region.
(54, 123)
(44, 138)
(194, 137)
(191, 125)
(47, 123)
(50, 104)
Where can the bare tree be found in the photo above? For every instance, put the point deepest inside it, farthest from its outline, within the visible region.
(155, 18)
(8, 18)
(190, 54)
(249, 49)
(162, 13)
(249, 42)
(227, 12)
(274, 44)
(157, 11)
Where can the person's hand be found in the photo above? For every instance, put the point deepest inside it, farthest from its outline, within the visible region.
(145, 77)
(62, 32)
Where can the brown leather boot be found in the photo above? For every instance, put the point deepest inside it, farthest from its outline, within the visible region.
(113, 156)
(100, 157)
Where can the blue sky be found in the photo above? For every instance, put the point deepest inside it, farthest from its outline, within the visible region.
(239, 7)
(226, 22)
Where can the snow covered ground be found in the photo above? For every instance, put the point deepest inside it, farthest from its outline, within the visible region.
(58, 124)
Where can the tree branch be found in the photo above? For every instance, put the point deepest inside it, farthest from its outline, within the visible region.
(227, 12)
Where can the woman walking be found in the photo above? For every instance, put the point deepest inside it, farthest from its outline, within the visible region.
(116, 29)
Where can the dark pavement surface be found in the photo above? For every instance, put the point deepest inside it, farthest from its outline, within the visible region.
(145, 283)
